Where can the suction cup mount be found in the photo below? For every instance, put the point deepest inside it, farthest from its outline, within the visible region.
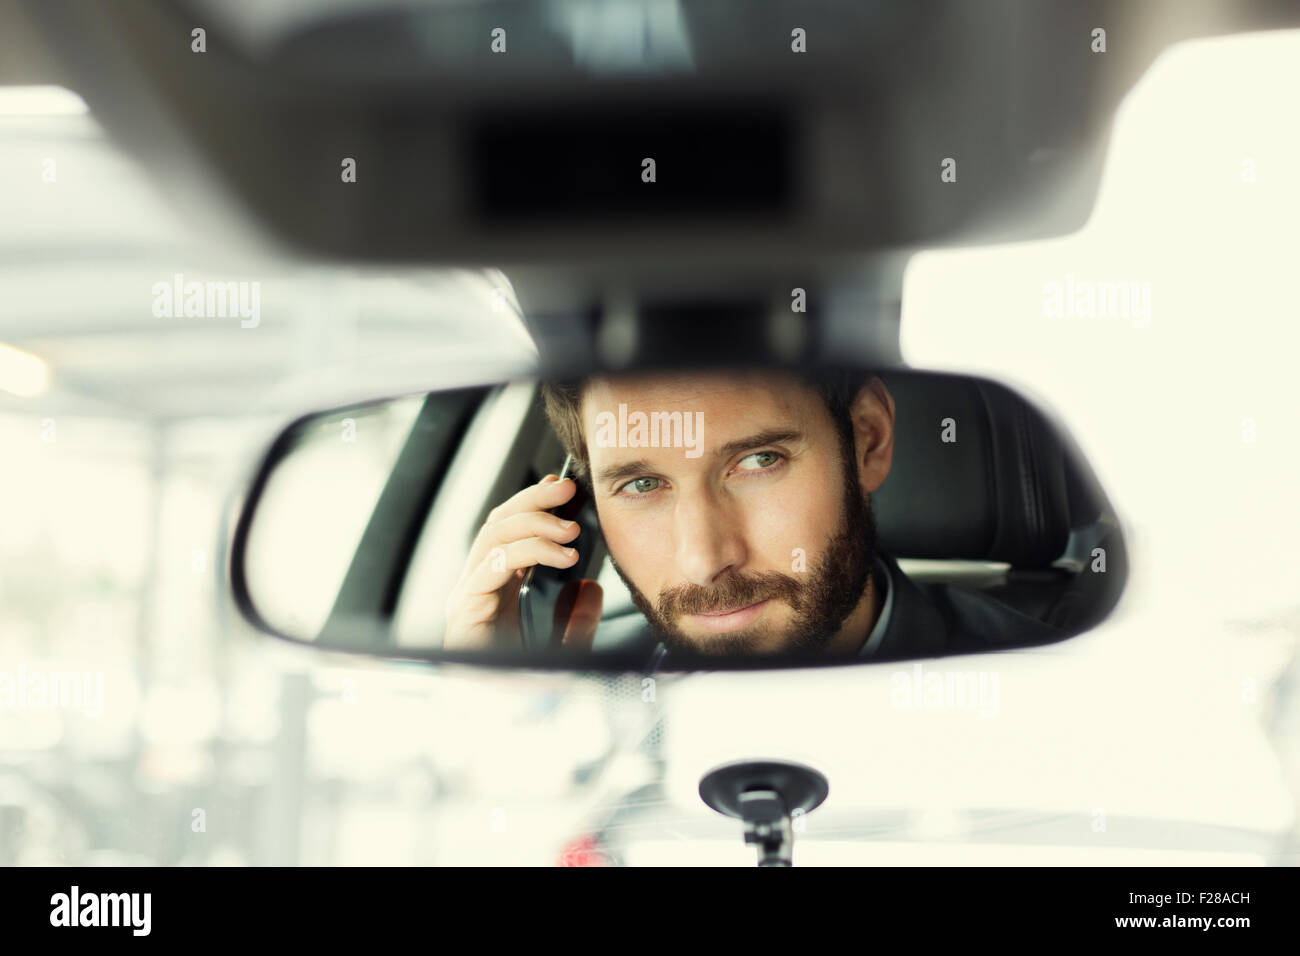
(765, 794)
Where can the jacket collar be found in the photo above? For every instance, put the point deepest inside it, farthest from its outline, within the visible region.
(915, 625)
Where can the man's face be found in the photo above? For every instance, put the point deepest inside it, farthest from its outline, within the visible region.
(749, 522)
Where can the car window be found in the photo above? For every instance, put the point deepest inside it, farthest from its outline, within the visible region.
(340, 467)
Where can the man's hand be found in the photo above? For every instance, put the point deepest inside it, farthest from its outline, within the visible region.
(483, 608)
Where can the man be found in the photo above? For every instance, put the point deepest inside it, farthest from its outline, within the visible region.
(737, 510)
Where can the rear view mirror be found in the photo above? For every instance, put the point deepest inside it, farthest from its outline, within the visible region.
(737, 518)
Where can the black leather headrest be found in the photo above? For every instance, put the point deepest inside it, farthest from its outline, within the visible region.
(999, 492)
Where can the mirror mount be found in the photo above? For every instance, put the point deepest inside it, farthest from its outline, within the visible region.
(792, 319)
(765, 795)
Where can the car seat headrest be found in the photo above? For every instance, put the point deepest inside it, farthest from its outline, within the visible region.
(977, 474)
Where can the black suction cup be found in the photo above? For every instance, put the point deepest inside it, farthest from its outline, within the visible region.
(765, 794)
(800, 787)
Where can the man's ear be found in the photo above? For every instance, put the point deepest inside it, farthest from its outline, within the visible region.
(873, 433)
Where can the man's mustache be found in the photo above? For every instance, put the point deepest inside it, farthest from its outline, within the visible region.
(732, 593)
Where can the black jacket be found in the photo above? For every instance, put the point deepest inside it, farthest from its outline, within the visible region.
(934, 619)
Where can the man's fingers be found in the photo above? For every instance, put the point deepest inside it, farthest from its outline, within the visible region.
(527, 524)
(499, 565)
(546, 494)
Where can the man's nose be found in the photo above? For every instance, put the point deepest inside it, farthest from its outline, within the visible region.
(710, 538)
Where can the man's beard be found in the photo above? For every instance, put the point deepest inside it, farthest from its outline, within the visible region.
(822, 598)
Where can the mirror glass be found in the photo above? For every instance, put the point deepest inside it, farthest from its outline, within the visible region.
(678, 519)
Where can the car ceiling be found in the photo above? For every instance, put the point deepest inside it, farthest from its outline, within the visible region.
(1009, 87)
(79, 257)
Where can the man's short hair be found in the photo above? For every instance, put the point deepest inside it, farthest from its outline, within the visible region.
(563, 400)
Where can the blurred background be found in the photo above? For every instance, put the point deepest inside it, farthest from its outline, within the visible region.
(1169, 735)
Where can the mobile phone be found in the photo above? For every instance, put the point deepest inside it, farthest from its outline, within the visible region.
(546, 593)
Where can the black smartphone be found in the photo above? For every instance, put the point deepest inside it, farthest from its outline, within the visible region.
(546, 594)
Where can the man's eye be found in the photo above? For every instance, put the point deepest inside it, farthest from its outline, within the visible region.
(762, 459)
(640, 486)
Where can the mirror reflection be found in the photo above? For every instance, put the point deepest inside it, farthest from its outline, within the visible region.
(679, 516)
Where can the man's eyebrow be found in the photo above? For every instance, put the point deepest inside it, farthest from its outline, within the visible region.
(770, 436)
(629, 469)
